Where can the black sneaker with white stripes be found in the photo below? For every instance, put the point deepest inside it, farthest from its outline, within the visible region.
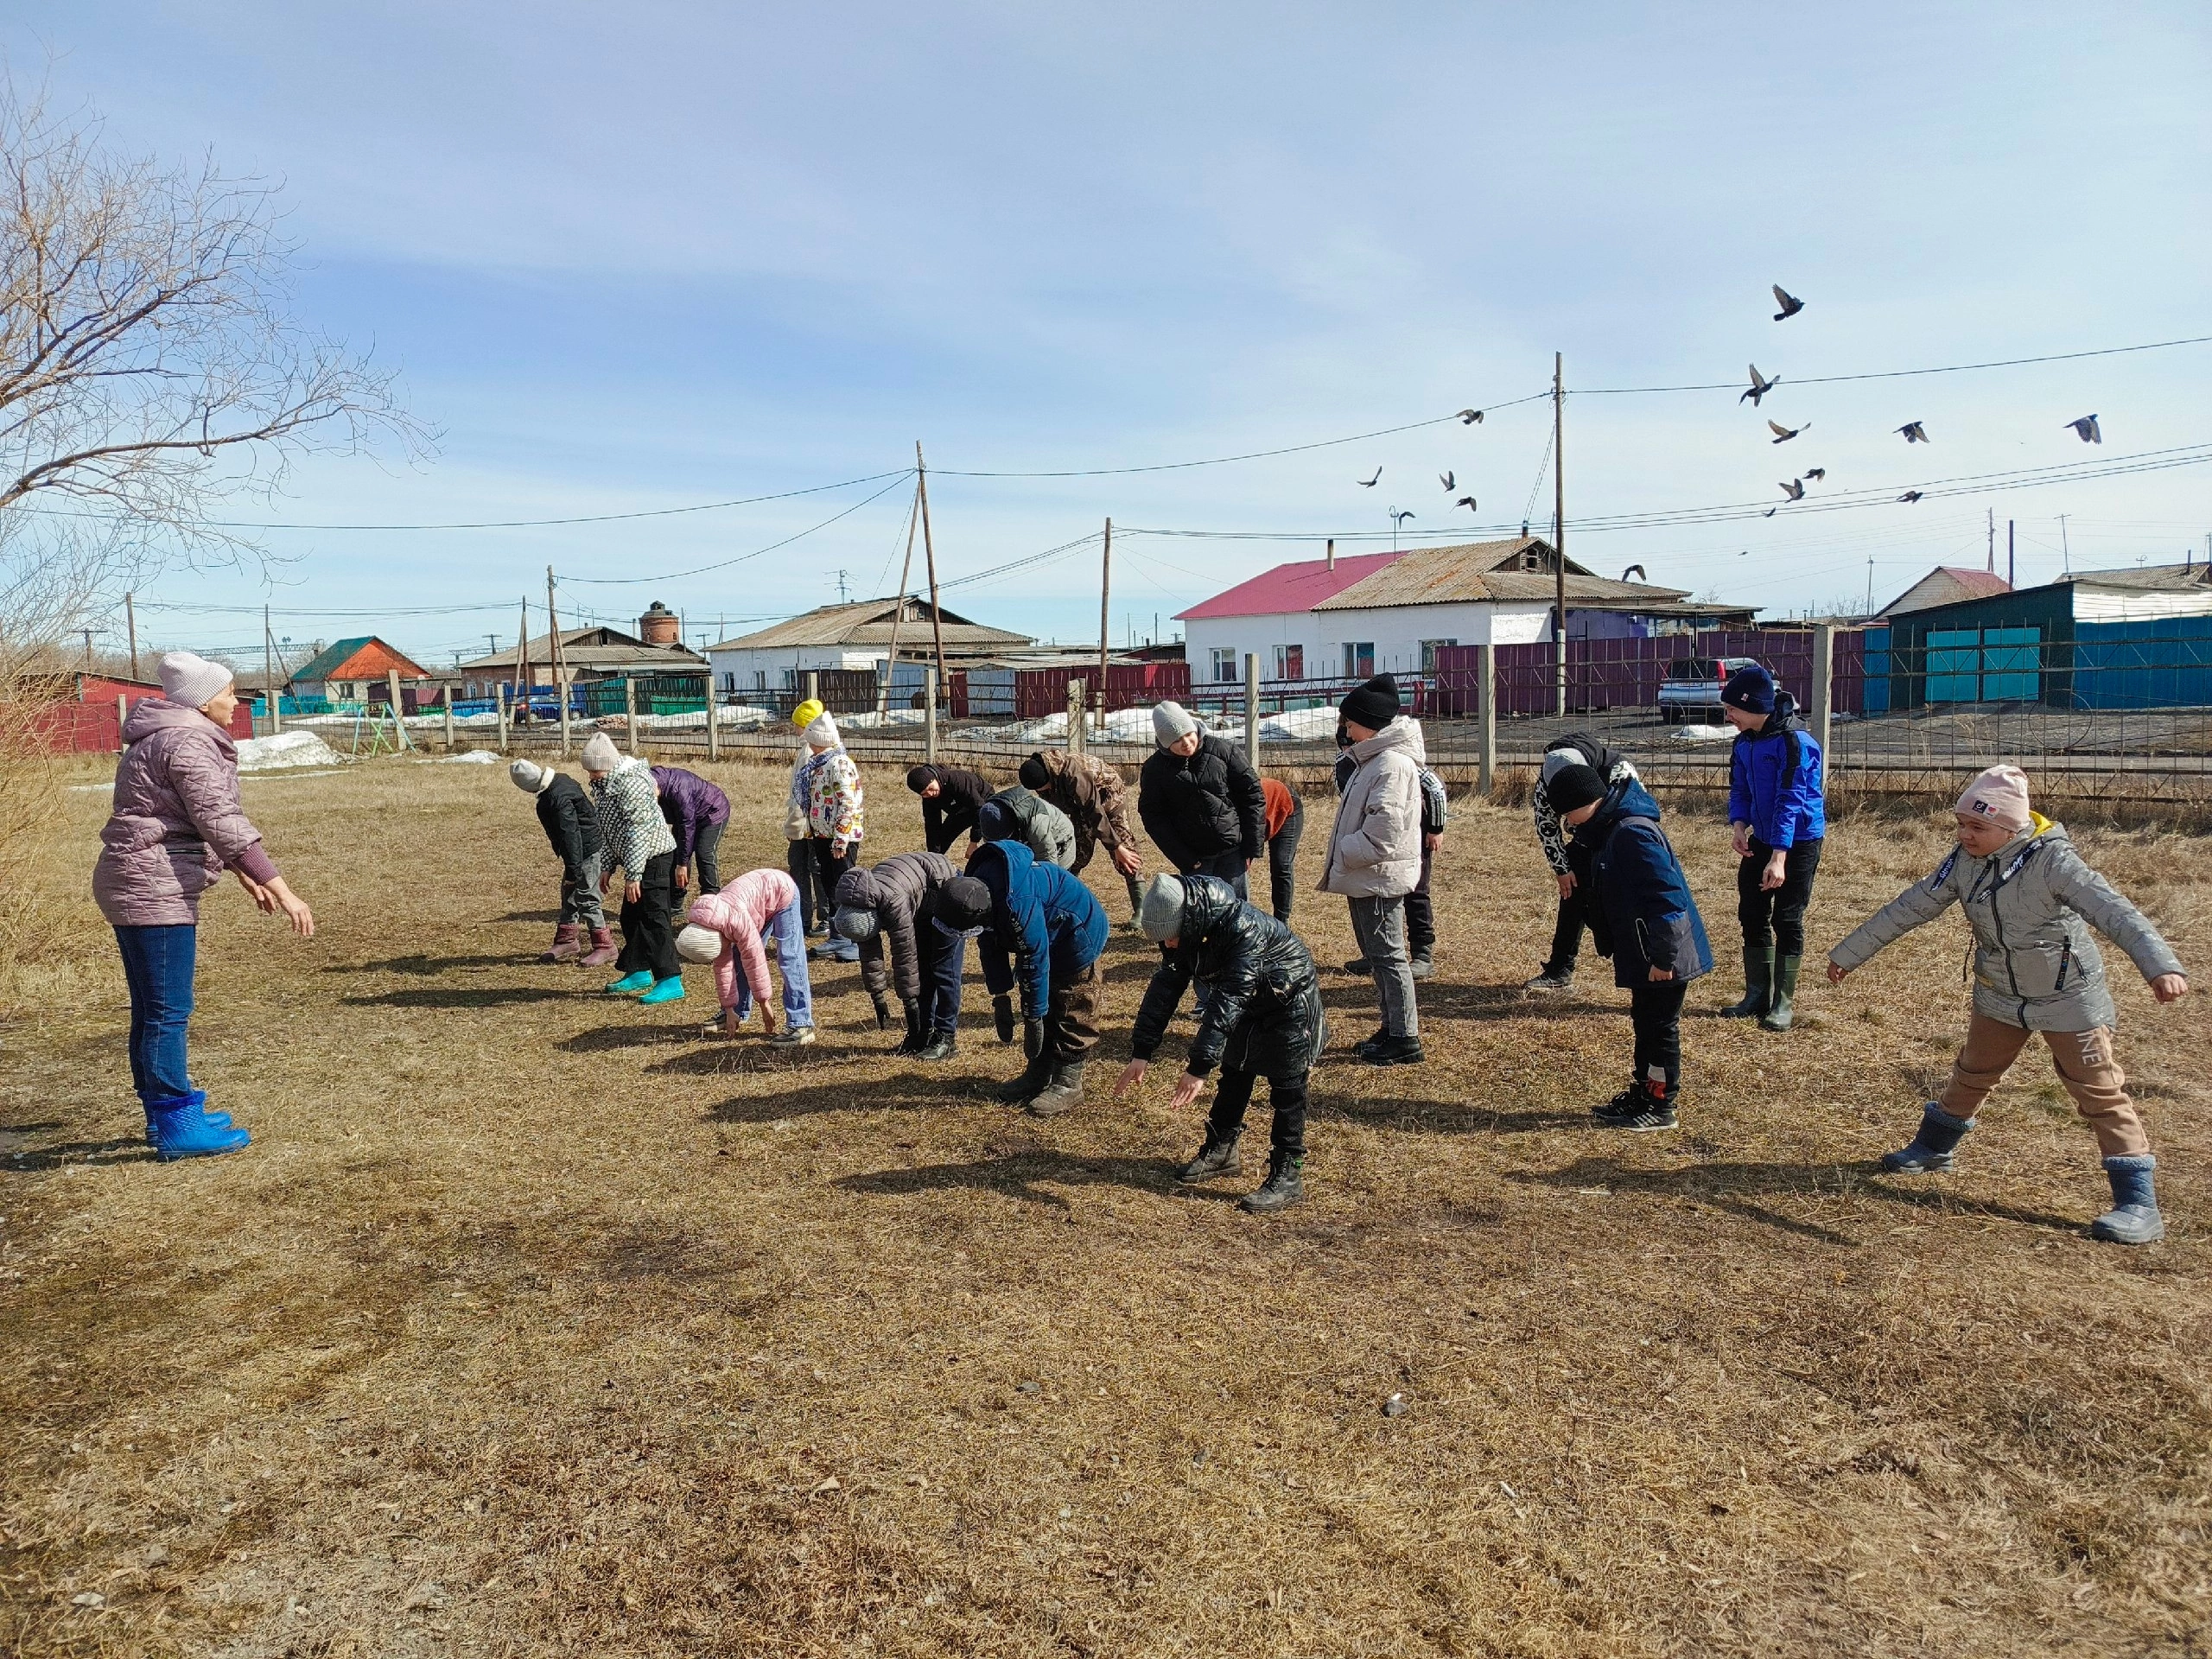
(1635, 1109)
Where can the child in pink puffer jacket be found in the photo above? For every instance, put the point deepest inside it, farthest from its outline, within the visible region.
(729, 930)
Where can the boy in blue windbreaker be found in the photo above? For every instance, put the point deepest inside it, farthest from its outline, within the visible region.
(1043, 933)
(1641, 914)
(1779, 817)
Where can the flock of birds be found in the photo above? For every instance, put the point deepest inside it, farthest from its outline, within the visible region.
(2086, 428)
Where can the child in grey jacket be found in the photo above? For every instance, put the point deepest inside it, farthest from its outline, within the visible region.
(2026, 893)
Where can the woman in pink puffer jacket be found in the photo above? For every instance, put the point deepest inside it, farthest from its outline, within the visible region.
(175, 827)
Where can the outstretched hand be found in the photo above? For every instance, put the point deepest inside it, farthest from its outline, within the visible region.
(2170, 987)
(1132, 1075)
(1187, 1090)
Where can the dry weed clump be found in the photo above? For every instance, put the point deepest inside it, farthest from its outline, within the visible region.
(534, 1323)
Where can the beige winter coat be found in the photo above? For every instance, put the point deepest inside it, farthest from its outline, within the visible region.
(1375, 848)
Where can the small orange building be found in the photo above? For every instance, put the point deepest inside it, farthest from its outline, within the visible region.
(354, 670)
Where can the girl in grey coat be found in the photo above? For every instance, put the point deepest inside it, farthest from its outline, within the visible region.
(2027, 893)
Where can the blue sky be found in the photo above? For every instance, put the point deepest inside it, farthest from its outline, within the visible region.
(648, 256)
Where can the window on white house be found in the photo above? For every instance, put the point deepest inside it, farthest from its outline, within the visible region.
(1290, 662)
(1224, 665)
(1359, 659)
(1429, 649)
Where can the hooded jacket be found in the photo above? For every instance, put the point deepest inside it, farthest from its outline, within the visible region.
(1640, 909)
(1093, 795)
(1043, 922)
(631, 829)
(1773, 780)
(1375, 845)
(570, 823)
(176, 824)
(2035, 964)
(690, 803)
(898, 890)
(829, 785)
(1551, 834)
(1259, 998)
(950, 813)
(738, 912)
(1019, 814)
(1435, 804)
(1199, 806)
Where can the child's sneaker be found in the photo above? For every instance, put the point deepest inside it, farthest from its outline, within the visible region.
(793, 1036)
(1635, 1109)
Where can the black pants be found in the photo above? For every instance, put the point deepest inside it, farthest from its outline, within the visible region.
(648, 940)
(828, 865)
(1282, 861)
(942, 958)
(1287, 1096)
(1777, 918)
(1228, 866)
(1567, 935)
(798, 859)
(1656, 1012)
(706, 846)
(1420, 914)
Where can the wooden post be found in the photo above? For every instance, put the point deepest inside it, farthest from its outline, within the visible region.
(714, 720)
(1486, 772)
(898, 616)
(1105, 588)
(448, 703)
(524, 674)
(558, 660)
(1075, 716)
(929, 554)
(130, 623)
(121, 713)
(267, 665)
(1823, 689)
(813, 686)
(1559, 522)
(929, 716)
(568, 695)
(1252, 709)
(630, 710)
(399, 708)
(503, 717)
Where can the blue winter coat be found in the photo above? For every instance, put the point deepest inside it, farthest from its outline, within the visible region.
(1640, 909)
(1773, 782)
(1042, 917)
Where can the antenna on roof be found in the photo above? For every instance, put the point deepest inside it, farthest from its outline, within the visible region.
(840, 587)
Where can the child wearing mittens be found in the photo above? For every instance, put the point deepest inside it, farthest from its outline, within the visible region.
(2027, 893)
(726, 928)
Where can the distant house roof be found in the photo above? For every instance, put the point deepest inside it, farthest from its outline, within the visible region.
(2147, 577)
(363, 657)
(590, 651)
(869, 622)
(1301, 585)
(1945, 585)
(1521, 568)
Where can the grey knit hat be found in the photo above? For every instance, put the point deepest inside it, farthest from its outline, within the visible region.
(191, 681)
(530, 776)
(1160, 915)
(1170, 722)
(697, 944)
(856, 923)
(600, 754)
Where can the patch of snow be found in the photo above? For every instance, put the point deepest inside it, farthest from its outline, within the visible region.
(1701, 733)
(285, 750)
(474, 758)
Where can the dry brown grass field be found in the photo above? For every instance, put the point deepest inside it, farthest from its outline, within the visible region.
(534, 1323)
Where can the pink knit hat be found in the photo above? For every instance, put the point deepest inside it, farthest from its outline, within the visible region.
(1999, 796)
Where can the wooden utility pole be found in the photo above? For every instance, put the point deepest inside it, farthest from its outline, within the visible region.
(929, 552)
(1252, 709)
(1558, 527)
(268, 668)
(130, 624)
(929, 716)
(630, 710)
(522, 663)
(398, 709)
(2010, 568)
(1486, 775)
(1823, 689)
(1105, 588)
(1075, 716)
(898, 616)
(560, 676)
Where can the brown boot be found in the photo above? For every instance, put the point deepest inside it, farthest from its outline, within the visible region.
(602, 948)
(568, 943)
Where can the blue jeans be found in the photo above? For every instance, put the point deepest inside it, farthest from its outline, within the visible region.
(788, 929)
(157, 965)
(943, 956)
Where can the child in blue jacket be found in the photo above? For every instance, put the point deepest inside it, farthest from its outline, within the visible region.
(1779, 817)
(1641, 914)
(1044, 934)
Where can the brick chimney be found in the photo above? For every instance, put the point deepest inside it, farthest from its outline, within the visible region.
(658, 626)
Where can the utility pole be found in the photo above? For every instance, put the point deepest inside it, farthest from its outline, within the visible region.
(2065, 548)
(898, 616)
(1990, 564)
(1105, 587)
(928, 553)
(88, 632)
(268, 670)
(561, 679)
(130, 622)
(1558, 523)
(841, 587)
(522, 665)
(1870, 586)
(2011, 565)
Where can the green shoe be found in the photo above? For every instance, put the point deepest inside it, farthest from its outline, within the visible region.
(1777, 1015)
(631, 984)
(1758, 985)
(667, 990)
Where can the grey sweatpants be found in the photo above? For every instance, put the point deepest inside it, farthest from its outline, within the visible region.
(1379, 924)
(580, 904)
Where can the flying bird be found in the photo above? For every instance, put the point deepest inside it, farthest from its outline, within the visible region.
(1760, 386)
(1448, 480)
(1768, 514)
(1909, 495)
(1816, 472)
(2087, 429)
(1783, 434)
(1470, 417)
(1913, 432)
(1789, 303)
(1634, 570)
(1370, 483)
(1398, 517)
(1795, 490)
(1467, 501)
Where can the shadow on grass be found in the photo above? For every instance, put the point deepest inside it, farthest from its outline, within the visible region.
(427, 966)
(491, 996)
(921, 1088)
(1020, 1175)
(130, 1149)
(1438, 1000)
(531, 916)
(1438, 1117)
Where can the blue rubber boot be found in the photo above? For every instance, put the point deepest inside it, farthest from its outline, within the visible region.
(178, 1129)
(668, 991)
(2134, 1217)
(1930, 1152)
(197, 1097)
(631, 984)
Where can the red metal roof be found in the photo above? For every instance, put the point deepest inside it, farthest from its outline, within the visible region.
(1979, 584)
(1298, 586)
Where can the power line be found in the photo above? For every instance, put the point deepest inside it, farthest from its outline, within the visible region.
(1897, 374)
(724, 565)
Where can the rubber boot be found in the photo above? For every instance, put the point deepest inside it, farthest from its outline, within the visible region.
(665, 990)
(1136, 896)
(178, 1129)
(1758, 984)
(1217, 1157)
(197, 1097)
(568, 943)
(1064, 1090)
(1777, 1014)
(602, 948)
(2134, 1217)
(631, 984)
(1932, 1150)
(1033, 1078)
(1281, 1190)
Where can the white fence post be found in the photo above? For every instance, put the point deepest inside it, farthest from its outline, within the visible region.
(928, 714)
(1823, 689)
(1252, 709)
(1486, 775)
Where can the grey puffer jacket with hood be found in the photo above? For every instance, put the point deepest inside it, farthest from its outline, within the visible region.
(2035, 964)
(176, 824)
(1375, 848)
(1019, 814)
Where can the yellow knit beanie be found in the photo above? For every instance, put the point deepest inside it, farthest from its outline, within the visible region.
(803, 716)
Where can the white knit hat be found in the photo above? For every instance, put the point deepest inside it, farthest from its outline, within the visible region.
(529, 777)
(1170, 723)
(822, 732)
(697, 944)
(191, 681)
(600, 754)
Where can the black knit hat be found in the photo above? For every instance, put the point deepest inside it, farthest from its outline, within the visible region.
(964, 902)
(1031, 773)
(1374, 705)
(920, 777)
(1573, 786)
